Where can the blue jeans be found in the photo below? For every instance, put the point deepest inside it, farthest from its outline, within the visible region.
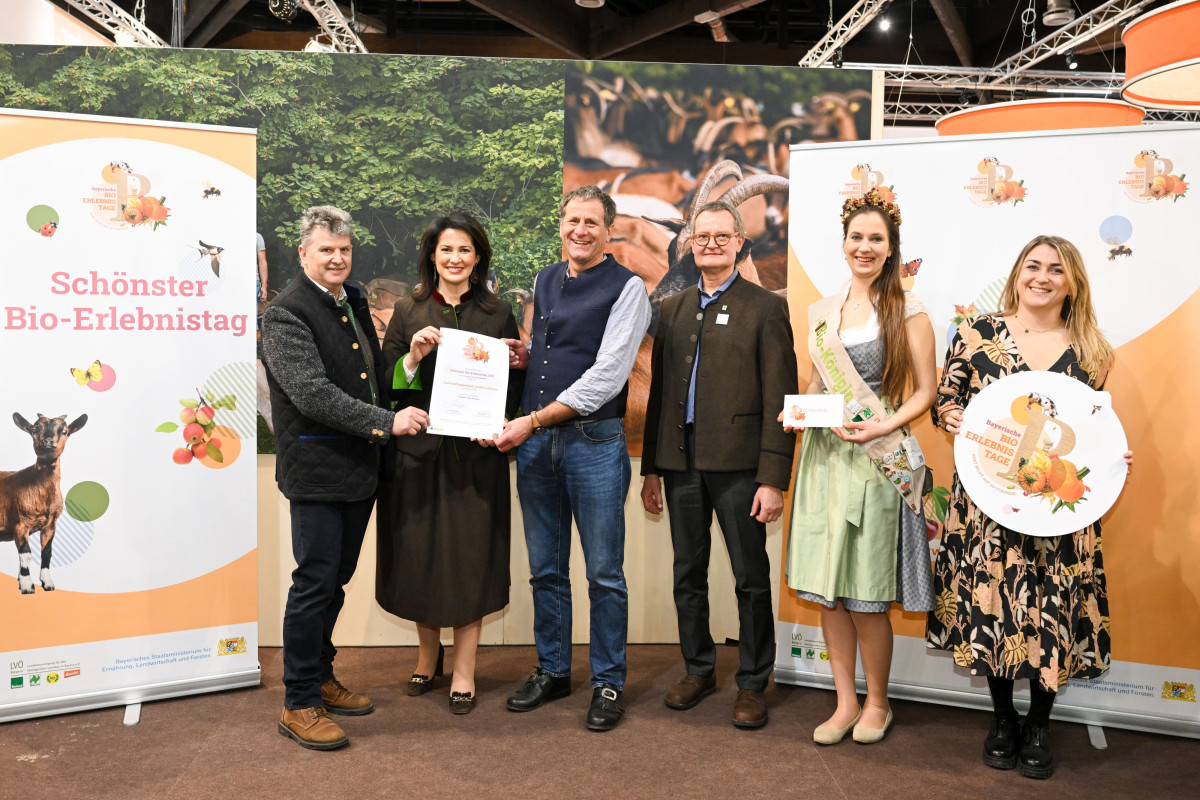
(326, 540)
(581, 469)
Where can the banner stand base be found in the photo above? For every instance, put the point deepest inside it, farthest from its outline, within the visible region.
(1096, 737)
(960, 698)
(133, 714)
(133, 697)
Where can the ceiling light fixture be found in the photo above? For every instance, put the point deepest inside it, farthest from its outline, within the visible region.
(837, 58)
(1058, 12)
(885, 24)
(1072, 62)
(283, 9)
(590, 3)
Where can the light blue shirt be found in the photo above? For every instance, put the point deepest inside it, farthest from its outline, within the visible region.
(705, 299)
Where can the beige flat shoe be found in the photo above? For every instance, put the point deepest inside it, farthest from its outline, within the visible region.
(865, 735)
(827, 734)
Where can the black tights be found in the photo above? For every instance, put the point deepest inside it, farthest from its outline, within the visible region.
(1040, 701)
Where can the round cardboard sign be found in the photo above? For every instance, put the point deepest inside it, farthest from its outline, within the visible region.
(1041, 453)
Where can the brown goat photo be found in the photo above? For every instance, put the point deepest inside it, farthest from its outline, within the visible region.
(31, 499)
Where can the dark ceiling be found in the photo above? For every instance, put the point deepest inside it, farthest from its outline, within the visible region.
(953, 34)
(774, 32)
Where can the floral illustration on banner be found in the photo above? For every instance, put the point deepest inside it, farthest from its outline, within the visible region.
(1153, 178)
(141, 210)
(1172, 186)
(863, 180)
(994, 184)
(475, 351)
(123, 198)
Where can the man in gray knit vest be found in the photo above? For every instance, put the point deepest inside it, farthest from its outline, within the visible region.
(330, 408)
(589, 317)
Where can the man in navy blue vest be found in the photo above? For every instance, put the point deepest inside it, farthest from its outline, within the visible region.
(589, 317)
(332, 417)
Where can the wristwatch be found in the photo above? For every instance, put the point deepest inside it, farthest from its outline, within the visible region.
(538, 428)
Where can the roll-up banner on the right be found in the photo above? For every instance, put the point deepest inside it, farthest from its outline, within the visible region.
(970, 203)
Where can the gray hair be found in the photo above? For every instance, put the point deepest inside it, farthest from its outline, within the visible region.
(720, 205)
(591, 193)
(331, 218)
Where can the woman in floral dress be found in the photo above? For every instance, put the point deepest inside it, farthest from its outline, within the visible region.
(1011, 606)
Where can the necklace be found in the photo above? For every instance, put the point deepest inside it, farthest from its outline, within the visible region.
(856, 305)
(1035, 330)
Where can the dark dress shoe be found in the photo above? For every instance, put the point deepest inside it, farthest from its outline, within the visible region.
(420, 684)
(606, 710)
(1035, 760)
(690, 690)
(540, 687)
(462, 702)
(1002, 742)
(750, 709)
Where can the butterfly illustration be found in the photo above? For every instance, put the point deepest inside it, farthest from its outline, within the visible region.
(93, 374)
(909, 270)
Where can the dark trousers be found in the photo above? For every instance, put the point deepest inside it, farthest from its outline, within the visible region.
(326, 540)
(692, 497)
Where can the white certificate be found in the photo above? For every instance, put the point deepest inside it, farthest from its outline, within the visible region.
(470, 385)
(812, 410)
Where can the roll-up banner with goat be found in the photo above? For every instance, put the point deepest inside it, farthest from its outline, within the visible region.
(127, 494)
(970, 204)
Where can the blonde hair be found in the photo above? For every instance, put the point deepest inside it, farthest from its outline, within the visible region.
(1094, 352)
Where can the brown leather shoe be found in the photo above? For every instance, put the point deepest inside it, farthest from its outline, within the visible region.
(690, 690)
(750, 709)
(340, 700)
(312, 728)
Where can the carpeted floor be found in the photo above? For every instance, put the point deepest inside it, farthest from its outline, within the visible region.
(226, 745)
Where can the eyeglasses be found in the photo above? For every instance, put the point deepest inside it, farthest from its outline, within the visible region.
(721, 239)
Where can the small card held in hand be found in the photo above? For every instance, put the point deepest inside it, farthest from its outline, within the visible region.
(812, 410)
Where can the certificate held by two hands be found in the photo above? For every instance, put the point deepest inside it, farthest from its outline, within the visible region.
(470, 386)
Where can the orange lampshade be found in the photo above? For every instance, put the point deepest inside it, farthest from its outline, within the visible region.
(1162, 57)
(1040, 115)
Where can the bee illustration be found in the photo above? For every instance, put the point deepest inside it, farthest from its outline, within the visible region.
(909, 270)
(1119, 250)
(209, 190)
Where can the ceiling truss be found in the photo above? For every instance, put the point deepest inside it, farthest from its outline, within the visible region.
(118, 23)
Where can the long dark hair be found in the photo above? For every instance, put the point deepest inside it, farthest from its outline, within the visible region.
(887, 297)
(481, 291)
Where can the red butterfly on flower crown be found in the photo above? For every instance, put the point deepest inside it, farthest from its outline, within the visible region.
(909, 270)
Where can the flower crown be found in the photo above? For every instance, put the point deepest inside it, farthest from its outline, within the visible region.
(871, 197)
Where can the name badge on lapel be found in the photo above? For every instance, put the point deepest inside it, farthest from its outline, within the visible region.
(722, 319)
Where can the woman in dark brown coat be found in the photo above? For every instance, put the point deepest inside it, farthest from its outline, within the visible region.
(443, 523)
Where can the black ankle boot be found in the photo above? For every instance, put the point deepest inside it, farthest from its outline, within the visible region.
(1002, 742)
(1035, 760)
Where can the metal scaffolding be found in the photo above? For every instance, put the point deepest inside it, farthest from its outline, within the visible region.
(1087, 27)
(117, 20)
(846, 29)
(335, 26)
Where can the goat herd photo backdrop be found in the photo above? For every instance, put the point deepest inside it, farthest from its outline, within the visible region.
(127, 494)
(970, 204)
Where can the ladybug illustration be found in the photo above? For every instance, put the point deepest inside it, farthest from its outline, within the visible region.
(49, 228)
